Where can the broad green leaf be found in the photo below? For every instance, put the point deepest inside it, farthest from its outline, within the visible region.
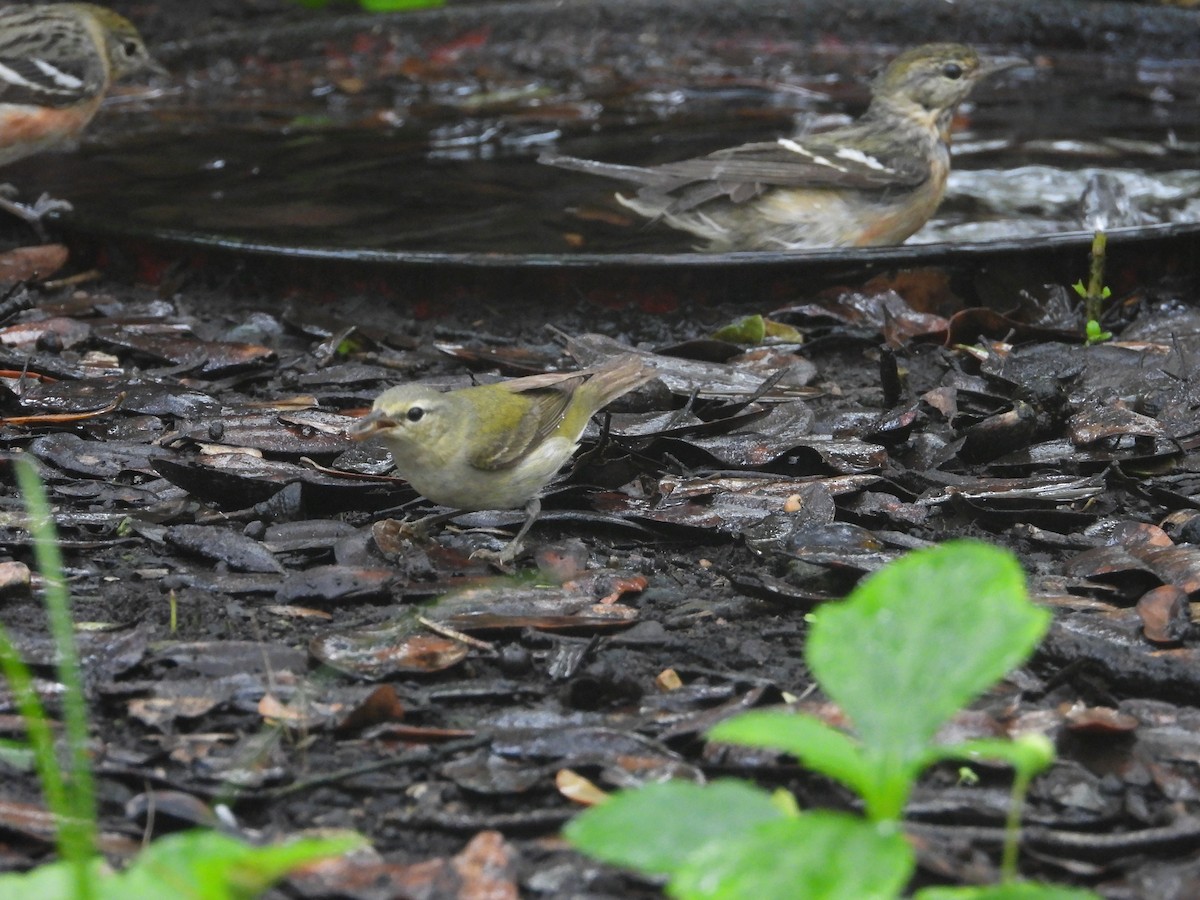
(53, 880)
(194, 865)
(915, 643)
(1018, 890)
(817, 856)
(656, 828)
(206, 865)
(815, 744)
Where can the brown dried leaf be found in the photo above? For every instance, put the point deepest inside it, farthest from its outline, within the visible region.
(1099, 720)
(578, 789)
(233, 548)
(382, 652)
(334, 582)
(1166, 615)
(381, 705)
(484, 870)
(67, 332)
(161, 712)
(36, 263)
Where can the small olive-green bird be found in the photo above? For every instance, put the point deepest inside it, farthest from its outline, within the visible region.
(495, 446)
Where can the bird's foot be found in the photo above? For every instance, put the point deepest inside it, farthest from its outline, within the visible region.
(501, 559)
(504, 559)
(32, 214)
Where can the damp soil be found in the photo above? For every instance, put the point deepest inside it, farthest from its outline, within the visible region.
(247, 599)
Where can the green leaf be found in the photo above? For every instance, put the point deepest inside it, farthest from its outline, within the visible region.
(1095, 332)
(818, 856)
(785, 802)
(17, 755)
(53, 880)
(656, 828)
(915, 643)
(783, 333)
(815, 744)
(748, 330)
(193, 865)
(1018, 890)
(206, 865)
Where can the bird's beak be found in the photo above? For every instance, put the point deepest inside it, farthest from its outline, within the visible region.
(990, 65)
(372, 423)
(154, 67)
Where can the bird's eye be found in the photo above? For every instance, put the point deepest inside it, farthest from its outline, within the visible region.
(415, 414)
(952, 70)
(130, 48)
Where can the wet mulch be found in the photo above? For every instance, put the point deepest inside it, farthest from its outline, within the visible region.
(262, 634)
(268, 647)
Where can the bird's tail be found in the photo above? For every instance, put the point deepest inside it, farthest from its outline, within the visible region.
(610, 380)
(634, 174)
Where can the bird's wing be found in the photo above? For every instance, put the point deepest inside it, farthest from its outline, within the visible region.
(35, 70)
(796, 163)
(742, 173)
(61, 83)
(545, 411)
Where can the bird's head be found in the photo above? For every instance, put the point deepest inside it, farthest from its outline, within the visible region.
(412, 415)
(127, 53)
(937, 77)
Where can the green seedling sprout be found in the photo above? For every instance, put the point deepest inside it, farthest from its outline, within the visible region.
(72, 799)
(1095, 292)
(196, 865)
(912, 645)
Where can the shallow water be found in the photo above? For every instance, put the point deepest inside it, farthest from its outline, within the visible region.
(452, 167)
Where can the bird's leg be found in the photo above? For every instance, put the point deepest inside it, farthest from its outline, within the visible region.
(421, 528)
(533, 509)
(31, 213)
(504, 559)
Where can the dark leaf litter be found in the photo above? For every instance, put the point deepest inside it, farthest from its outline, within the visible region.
(707, 513)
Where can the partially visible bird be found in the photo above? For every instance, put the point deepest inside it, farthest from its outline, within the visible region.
(874, 182)
(56, 64)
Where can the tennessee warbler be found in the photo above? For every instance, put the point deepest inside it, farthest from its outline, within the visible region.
(495, 446)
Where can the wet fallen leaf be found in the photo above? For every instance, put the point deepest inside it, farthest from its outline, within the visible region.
(1166, 615)
(381, 705)
(578, 789)
(378, 653)
(233, 548)
(36, 263)
(334, 582)
(15, 578)
(485, 869)
(1099, 720)
(668, 680)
